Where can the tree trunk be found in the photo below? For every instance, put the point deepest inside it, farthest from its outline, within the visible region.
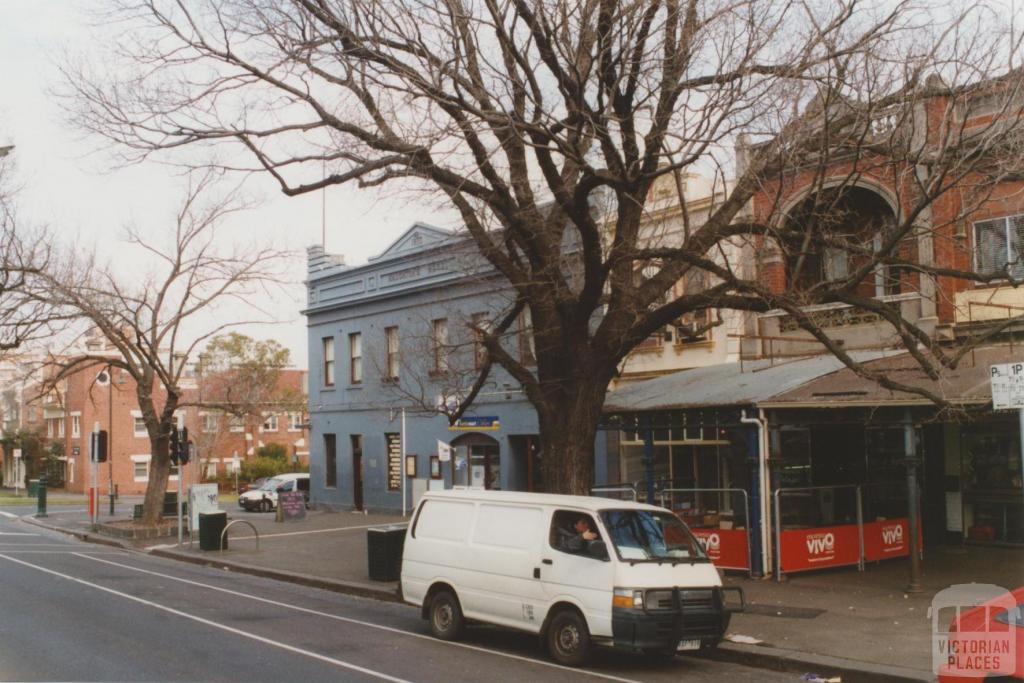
(568, 427)
(159, 473)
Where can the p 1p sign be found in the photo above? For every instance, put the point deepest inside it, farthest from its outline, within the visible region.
(1007, 386)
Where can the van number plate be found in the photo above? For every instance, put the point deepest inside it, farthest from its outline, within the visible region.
(688, 645)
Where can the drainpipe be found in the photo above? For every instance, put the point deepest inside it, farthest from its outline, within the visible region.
(761, 492)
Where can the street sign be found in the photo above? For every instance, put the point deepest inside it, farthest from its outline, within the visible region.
(1007, 386)
(17, 454)
(476, 424)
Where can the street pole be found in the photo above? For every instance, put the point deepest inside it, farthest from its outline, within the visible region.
(1020, 419)
(649, 465)
(179, 502)
(110, 437)
(914, 585)
(402, 464)
(94, 477)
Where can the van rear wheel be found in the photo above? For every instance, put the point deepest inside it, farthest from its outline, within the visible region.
(568, 638)
(446, 621)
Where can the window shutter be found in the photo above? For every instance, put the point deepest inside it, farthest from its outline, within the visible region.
(990, 246)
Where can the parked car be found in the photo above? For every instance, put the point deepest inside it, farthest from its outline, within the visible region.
(251, 485)
(576, 570)
(264, 498)
(986, 643)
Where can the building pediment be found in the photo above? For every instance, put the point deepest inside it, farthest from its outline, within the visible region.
(419, 237)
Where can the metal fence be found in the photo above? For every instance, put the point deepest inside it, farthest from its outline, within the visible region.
(729, 548)
(831, 522)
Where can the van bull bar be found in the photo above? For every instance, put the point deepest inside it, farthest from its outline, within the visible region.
(669, 616)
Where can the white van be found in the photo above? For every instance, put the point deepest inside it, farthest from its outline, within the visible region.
(636, 579)
(264, 498)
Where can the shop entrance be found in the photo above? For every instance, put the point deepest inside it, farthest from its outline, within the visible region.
(477, 461)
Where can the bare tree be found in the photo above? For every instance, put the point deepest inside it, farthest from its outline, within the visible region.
(546, 123)
(151, 322)
(24, 251)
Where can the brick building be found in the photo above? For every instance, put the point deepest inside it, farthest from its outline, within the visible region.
(105, 398)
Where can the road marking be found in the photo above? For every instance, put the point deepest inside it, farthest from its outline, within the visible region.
(16, 533)
(8, 515)
(214, 624)
(64, 552)
(359, 622)
(314, 531)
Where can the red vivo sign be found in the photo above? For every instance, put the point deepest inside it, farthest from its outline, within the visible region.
(888, 538)
(727, 548)
(816, 547)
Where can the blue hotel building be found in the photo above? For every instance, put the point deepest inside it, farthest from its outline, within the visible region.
(395, 336)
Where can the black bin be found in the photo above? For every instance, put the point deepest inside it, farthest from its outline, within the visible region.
(211, 526)
(384, 551)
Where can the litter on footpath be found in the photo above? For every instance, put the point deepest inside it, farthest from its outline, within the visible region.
(818, 678)
(745, 640)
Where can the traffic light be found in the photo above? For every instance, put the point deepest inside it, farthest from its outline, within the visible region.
(98, 446)
(175, 451)
(184, 446)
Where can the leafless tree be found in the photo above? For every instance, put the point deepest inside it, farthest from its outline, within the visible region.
(24, 251)
(546, 123)
(155, 323)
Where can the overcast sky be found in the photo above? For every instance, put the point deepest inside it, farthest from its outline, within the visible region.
(67, 185)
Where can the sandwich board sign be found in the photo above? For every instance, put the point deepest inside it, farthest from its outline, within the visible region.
(1007, 386)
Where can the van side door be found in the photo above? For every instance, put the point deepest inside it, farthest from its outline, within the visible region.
(501, 586)
(573, 570)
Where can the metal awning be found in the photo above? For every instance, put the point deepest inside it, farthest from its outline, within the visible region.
(729, 384)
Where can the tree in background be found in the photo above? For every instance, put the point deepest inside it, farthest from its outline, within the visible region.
(241, 379)
(149, 323)
(546, 124)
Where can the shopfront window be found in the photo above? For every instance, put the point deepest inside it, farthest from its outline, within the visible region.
(993, 500)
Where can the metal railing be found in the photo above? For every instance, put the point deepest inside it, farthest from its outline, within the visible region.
(730, 491)
(621, 487)
(777, 510)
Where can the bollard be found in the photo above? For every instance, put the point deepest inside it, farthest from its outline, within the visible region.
(41, 500)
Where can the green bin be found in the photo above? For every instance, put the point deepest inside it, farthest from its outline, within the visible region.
(211, 526)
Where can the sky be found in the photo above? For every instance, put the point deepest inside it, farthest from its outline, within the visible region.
(66, 184)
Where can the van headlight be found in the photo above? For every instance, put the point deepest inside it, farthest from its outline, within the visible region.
(628, 598)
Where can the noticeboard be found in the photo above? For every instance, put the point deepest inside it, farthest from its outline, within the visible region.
(394, 445)
(291, 506)
(1007, 386)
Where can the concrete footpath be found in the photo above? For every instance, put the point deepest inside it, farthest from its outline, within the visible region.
(859, 625)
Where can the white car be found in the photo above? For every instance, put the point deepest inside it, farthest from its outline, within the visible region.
(575, 570)
(264, 498)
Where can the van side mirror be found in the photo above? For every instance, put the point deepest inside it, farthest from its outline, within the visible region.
(598, 550)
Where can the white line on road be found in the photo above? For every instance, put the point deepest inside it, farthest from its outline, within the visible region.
(8, 515)
(16, 533)
(359, 622)
(305, 533)
(214, 624)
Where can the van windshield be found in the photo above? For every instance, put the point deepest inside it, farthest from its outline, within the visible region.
(271, 484)
(648, 536)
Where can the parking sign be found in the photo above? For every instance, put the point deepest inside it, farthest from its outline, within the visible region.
(1007, 386)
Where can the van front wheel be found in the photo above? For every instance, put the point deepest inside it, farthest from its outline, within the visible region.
(446, 620)
(568, 638)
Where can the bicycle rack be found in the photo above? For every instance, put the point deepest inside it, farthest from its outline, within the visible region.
(224, 534)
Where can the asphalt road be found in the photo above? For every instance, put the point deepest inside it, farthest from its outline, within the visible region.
(77, 611)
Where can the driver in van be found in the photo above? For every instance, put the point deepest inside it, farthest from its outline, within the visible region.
(575, 541)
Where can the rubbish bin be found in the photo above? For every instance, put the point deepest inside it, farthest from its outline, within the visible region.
(384, 551)
(33, 488)
(211, 526)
